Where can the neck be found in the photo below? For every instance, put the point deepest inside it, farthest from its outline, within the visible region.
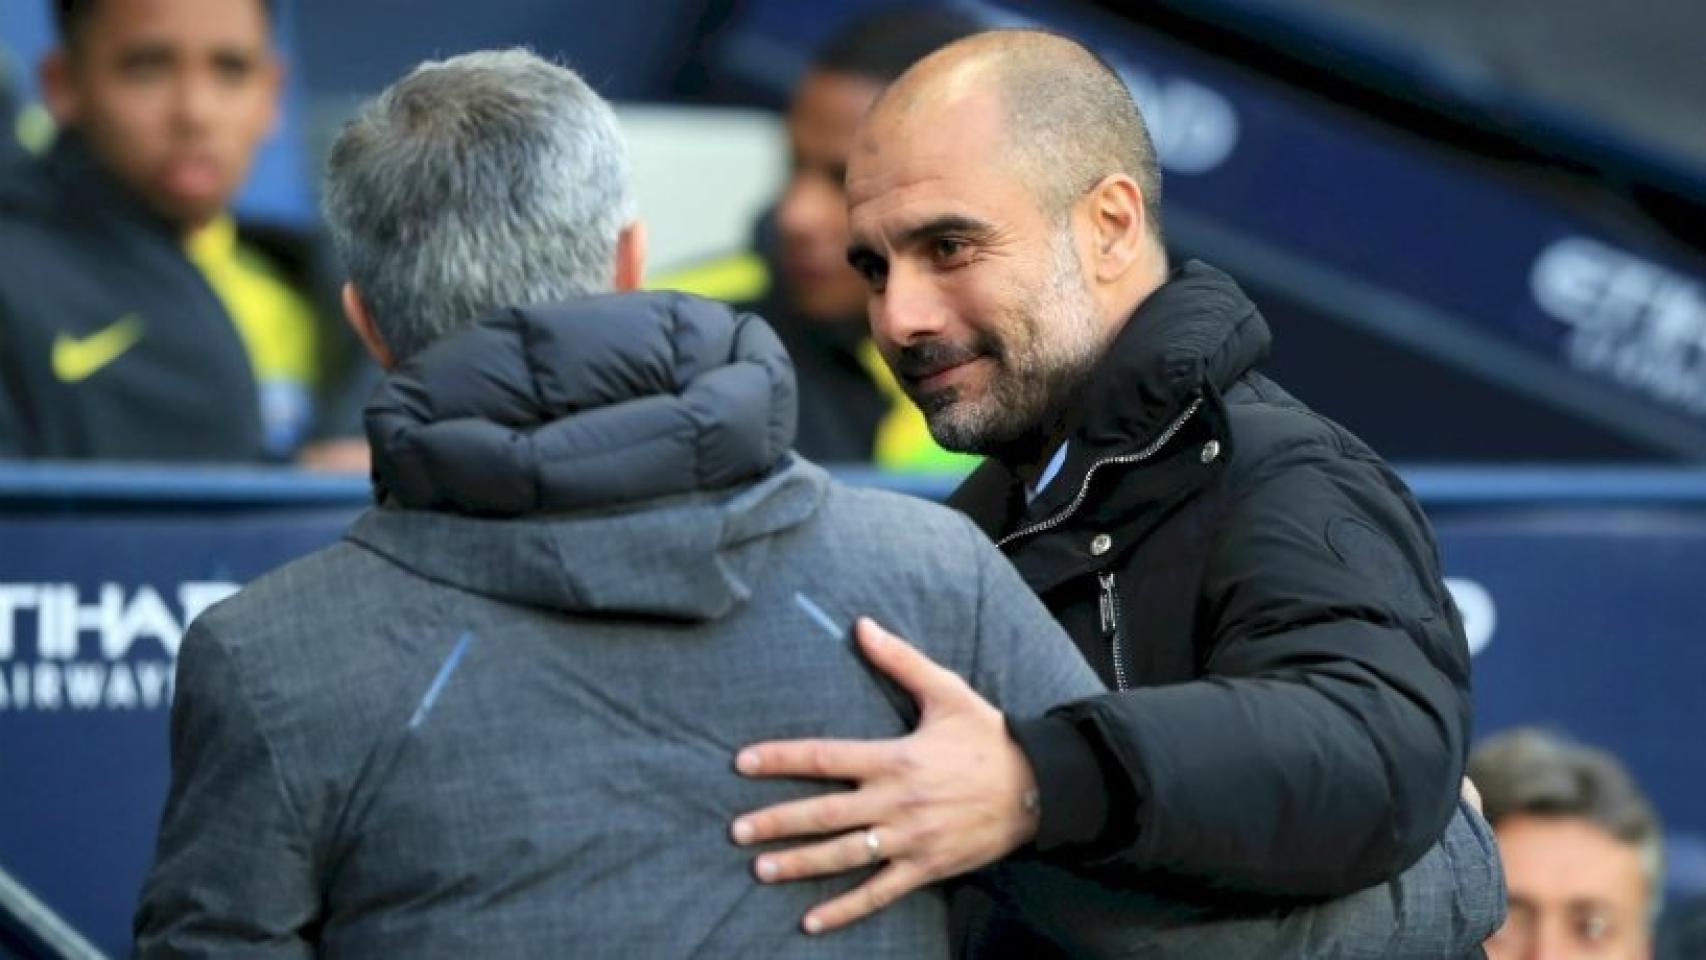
(1028, 455)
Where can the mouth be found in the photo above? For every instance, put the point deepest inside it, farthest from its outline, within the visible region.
(939, 377)
(192, 176)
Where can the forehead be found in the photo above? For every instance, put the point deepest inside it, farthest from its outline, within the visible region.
(1560, 859)
(225, 23)
(829, 105)
(935, 159)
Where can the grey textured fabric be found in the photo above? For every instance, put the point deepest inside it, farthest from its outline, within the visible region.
(1441, 908)
(460, 737)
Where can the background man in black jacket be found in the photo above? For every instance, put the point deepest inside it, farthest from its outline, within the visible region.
(796, 276)
(1293, 701)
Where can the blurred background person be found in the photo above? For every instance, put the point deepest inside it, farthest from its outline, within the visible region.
(10, 148)
(797, 275)
(138, 319)
(1582, 849)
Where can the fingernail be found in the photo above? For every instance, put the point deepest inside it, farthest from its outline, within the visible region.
(814, 925)
(743, 831)
(748, 761)
(873, 633)
(767, 869)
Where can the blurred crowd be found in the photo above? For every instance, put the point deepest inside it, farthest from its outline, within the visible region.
(143, 320)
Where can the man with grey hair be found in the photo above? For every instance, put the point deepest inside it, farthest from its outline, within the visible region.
(495, 720)
(413, 218)
(1582, 848)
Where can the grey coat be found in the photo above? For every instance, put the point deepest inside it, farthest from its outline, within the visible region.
(498, 720)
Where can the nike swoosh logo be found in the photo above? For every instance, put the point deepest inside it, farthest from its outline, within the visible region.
(76, 359)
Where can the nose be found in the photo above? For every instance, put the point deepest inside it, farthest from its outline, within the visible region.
(196, 101)
(1551, 941)
(908, 309)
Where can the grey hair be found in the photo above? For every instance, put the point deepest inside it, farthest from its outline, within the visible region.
(1533, 772)
(487, 180)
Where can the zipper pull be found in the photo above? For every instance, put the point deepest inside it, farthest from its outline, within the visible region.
(1110, 616)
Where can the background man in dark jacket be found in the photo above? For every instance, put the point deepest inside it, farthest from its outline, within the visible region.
(1293, 684)
(1583, 849)
(138, 319)
(797, 277)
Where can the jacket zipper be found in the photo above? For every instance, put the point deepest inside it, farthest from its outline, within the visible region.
(1084, 488)
(1110, 609)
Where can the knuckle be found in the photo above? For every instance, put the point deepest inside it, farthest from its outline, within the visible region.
(916, 796)
(818, 757)
(926, 835)
(876, 898)
(935, 864)
(823, 815)
(903, 757)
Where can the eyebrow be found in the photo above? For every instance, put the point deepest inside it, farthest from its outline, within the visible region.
(859, 250)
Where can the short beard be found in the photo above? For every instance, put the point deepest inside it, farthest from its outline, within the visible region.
(1049, 355)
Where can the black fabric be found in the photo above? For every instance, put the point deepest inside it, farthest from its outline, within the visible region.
(601, 402)
(78, 254)
(1298, 710)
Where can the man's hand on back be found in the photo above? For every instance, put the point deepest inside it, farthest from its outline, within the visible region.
(953, 796)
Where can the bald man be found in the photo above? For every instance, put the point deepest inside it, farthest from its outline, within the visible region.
(1289, 706)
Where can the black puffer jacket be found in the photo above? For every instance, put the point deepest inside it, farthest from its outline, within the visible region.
(1267, 595)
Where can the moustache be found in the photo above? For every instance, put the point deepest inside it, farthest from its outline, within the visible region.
(919, 360)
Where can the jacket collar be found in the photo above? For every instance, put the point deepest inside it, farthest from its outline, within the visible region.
(1197, 333)
(692, 557)
(92, 191)
(1196, 330)
(593, 404)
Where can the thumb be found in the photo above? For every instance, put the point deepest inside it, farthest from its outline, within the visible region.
(928, 683)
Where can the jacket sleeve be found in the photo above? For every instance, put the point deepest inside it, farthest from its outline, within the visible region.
(1445, 905)
(232, 874)
(1322, 749)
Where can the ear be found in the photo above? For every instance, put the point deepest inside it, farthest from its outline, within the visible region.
(631, 257)
(1119, 228)
(59, 87)
(361, 322)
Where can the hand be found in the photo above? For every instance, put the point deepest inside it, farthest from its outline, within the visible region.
(953, 796)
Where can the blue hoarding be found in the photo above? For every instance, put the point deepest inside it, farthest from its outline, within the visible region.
(1585, 616)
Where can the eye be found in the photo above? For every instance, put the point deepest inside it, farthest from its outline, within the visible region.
(144, 66)
(233, 71)
(875, 270)
(1593, 927)
(948, 250)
